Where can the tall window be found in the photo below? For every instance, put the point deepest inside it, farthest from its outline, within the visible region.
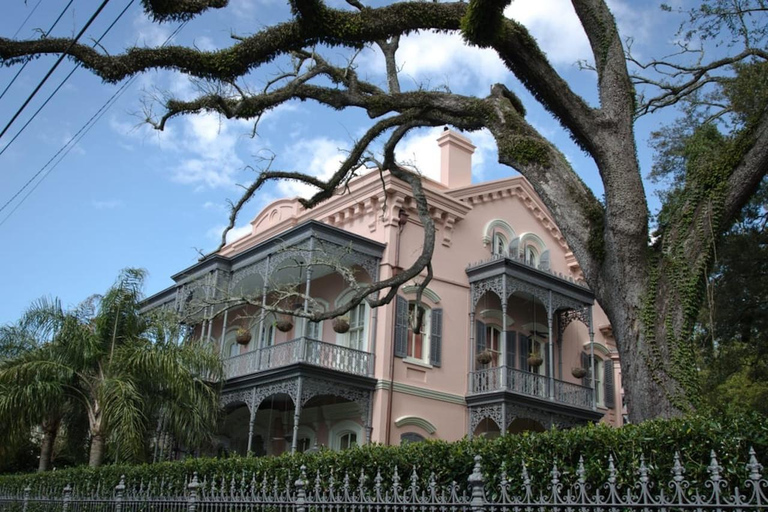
(531, 255)
(345, 434)
(493, 343)
(599, 391)
(418, 340)
(499, 244)
(356, 333)
(315, 330)
(347, 440)
(267, 332)
(234, 348)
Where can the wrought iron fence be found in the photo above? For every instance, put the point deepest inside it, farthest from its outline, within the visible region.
(325, 494)
(300, 350)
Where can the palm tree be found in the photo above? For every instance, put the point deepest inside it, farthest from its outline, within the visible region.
(124, 369)
(32, 386)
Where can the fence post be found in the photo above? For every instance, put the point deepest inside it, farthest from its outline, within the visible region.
(67, 498)
(477, 482)
(119, 490)
(25, 502)
(192, 499)
(301, 493)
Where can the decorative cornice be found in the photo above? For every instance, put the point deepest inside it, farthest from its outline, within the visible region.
(516, 186)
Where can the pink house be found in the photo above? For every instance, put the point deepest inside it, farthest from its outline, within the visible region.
(508, 327)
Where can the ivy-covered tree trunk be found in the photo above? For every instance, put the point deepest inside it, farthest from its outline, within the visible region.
(50, 431)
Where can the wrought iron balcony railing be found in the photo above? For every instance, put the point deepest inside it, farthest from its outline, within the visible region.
(300, 350)
(503, 378)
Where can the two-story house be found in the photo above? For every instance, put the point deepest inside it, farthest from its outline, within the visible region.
(509, 333)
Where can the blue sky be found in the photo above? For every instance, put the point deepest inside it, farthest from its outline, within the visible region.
(127, 195)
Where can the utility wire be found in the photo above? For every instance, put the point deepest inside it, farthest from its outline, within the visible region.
(72, 142)
(47, 33)
(53, 68)
(77, 66)
(26, 19)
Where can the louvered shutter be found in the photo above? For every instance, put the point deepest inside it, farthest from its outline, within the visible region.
(401, 327)
(586, 366)
(608, 383)
(511, 345)
(436, 338)
(524, 349)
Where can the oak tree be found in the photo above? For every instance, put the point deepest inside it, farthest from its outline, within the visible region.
(650, 291)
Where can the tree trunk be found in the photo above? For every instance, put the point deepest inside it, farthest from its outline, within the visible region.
(50, 430)
(97, 450)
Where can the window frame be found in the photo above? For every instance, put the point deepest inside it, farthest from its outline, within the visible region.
(426, 333)
(342, 429)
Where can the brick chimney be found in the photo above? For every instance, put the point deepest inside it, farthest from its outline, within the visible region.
(455, 159)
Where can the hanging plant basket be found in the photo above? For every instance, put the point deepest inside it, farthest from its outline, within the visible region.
(243, 336)
(341, 324)
(578, 372)
(535, 360)
(284, 325)
(484, 357)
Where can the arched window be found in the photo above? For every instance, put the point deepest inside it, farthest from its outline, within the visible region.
(346, 434)
(314, 330)
(306, 439)
(267, 331)
(411, 437)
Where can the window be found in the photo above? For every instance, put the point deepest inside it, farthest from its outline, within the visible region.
(315, 330)
(267, 332)
(493, 343)
(305, 440)
(499, 244)
(234, 348)
(345, 434)
(531, 255)
(411, 437)
(418, 342)
(599, 392)
(356, 333)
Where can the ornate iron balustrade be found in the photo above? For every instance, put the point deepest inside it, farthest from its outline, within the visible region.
(503, 378)
(300, 350)
(369, 493)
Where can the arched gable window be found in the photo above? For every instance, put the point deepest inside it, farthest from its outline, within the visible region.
(346, 434)
(533, 251)
(498, 233)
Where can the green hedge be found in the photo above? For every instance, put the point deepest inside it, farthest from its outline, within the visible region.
(693, 437)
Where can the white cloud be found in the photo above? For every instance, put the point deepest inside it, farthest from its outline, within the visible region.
(555, 26)
(420, 150)
(319, 157)
(235, 233)
(147, 33)
(443, 59)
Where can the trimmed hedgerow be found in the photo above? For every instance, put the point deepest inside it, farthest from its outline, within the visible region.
(693, 437)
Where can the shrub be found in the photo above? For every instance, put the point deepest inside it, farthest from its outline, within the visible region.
(692, 437)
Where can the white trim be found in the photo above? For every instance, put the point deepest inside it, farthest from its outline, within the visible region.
(416, 421)
(428, 293)
(599, 347)
(497, 223)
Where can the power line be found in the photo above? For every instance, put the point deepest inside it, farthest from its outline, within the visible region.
(77, 66)
(26, 19)
(47, 33)
(58, 61)
(67, 147)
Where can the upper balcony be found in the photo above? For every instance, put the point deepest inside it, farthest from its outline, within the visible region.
(301, 350)
(529, 384)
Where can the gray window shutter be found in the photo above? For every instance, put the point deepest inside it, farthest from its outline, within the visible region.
(544, 262)
(401, 327)
(586, 366)
(514, 248)
(436, 337)
(524, 349)
(479, 337)
(511, 345)
(608, 383)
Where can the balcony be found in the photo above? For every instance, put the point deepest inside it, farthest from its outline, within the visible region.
(503, 378)
(300, 350)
